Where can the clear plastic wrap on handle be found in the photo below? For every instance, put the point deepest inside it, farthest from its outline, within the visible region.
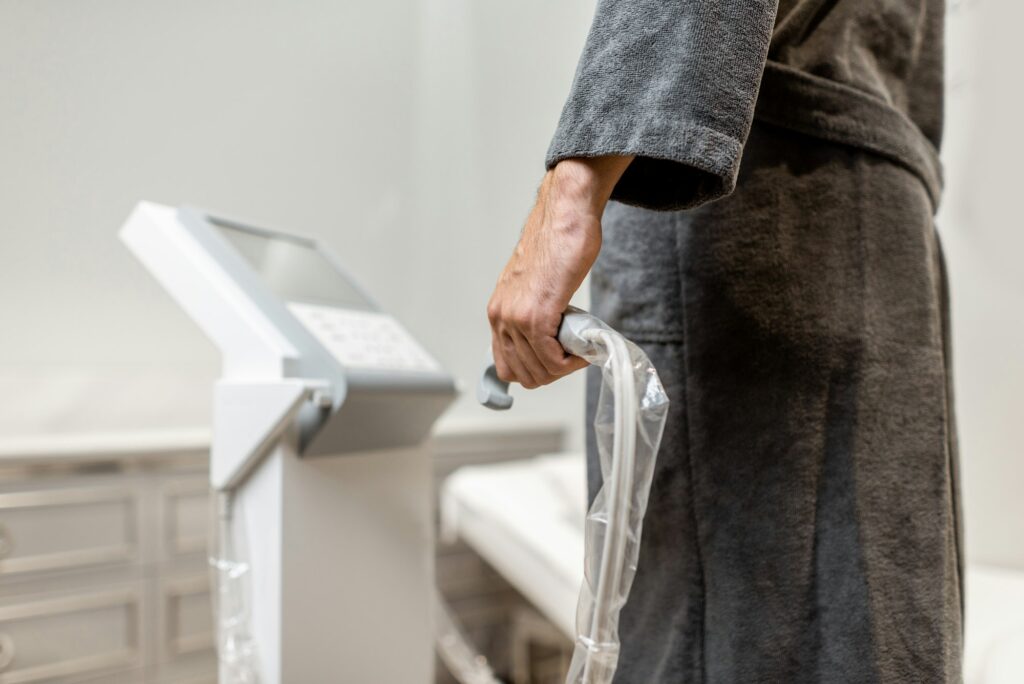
(236, 647)
(631, 412)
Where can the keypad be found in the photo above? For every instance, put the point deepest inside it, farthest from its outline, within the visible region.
(364, 339)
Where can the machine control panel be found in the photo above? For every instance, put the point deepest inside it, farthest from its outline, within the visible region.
(365, 340)
(330, 306)
(286, 314)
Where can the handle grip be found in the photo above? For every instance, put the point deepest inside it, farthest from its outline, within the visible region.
(492, 391)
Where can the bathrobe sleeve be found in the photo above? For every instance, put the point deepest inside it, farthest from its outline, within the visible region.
(673, 82)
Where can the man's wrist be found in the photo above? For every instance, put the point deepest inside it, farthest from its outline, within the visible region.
(587, 183)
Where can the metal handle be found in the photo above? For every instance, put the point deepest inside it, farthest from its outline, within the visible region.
(492, 391)
(6, 651)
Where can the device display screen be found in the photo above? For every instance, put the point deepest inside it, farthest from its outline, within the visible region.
(294, 269)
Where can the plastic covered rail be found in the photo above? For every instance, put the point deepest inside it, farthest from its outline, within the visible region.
(630, 418)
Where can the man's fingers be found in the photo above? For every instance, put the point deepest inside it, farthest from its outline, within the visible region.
(545, 359)
(506, 364)
(575, 363)
(500, 366)
(532, 365)
(527, 353)
(556, 361)
(516, 370)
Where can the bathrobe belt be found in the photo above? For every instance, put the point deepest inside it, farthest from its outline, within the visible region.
(840, 113)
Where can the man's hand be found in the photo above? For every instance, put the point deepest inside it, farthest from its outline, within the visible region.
(559, 244)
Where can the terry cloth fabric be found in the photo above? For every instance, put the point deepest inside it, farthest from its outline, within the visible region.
(677, 83)
(803, 523)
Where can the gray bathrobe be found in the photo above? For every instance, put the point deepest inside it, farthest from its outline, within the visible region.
(773, 250)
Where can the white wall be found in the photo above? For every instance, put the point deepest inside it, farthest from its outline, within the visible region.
(409, 135)
(493, 78)
(983, 231)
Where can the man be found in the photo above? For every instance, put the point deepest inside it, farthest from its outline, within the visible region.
(774, 172)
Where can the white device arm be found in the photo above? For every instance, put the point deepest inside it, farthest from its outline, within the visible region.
(251, 416)
(251, 344)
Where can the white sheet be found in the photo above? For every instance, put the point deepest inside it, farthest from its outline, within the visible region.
(526, 519)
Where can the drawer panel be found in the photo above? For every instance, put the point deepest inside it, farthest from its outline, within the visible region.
(187, 618)
(186, 509)
(60, 529)
(70, 636)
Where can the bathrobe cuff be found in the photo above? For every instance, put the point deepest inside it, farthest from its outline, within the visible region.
(673, 82)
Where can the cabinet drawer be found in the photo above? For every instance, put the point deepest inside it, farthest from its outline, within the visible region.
(187, 518)
(61, 529)
(187, 618)
(186, 645)
(70, 636)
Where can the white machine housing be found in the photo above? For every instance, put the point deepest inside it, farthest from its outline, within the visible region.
(340, 546)
(387, 397)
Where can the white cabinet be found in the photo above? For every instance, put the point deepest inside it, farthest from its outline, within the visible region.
(46, 639)
(67, 529)
(103, 573)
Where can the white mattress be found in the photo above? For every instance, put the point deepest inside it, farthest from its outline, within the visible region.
(526, 519)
